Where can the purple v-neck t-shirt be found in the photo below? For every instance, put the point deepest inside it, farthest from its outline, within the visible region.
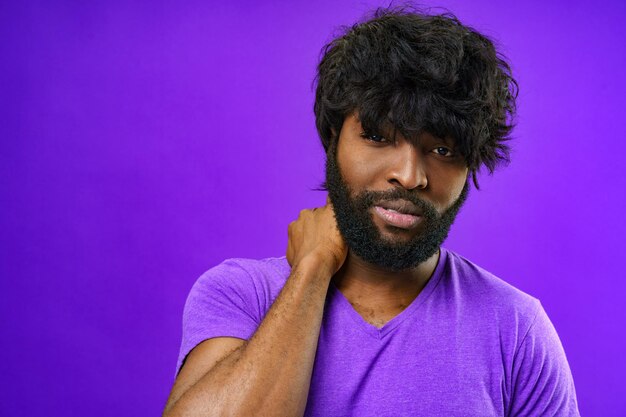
(469, 345)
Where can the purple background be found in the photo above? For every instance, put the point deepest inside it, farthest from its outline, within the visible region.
(144, 142)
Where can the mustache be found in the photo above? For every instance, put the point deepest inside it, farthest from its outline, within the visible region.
(367, 199)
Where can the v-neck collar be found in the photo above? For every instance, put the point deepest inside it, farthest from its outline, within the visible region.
(380, 333)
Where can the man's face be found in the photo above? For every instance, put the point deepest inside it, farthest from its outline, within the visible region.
(394, 201)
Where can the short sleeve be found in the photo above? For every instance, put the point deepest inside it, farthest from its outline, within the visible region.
(221, 303)
(542, 380)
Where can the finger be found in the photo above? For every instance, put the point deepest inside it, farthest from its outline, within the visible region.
(289, 253)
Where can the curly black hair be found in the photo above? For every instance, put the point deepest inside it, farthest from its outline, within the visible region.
(419, 72)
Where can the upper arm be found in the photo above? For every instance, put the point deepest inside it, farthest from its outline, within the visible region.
(201, 360)
(222, 303)
(542, 380)
(219, 316)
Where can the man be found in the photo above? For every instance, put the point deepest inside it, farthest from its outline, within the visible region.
(367, 315)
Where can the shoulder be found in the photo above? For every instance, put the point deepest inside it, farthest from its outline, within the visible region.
(539, 381)
(230, 300)
(242, 278)
(488, 303)
(235, 270)
(487, 291)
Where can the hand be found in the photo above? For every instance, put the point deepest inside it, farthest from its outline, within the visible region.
(315, 235)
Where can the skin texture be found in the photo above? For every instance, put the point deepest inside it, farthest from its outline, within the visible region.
(358, 212)
(427, 166)
(269, 375)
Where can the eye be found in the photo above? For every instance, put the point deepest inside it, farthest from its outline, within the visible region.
(374, 137)
(444, 151)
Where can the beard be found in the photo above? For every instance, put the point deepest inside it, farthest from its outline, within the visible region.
(361, 234)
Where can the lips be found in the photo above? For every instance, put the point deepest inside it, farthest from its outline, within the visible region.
(399, 213)
(401, 206)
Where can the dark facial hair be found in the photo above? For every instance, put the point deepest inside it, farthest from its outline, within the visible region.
(361, 234)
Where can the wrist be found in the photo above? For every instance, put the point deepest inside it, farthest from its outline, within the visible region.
(322, 266)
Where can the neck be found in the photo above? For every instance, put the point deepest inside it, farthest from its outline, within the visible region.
(360, 280)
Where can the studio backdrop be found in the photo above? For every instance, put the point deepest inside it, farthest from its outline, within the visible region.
(144, 142)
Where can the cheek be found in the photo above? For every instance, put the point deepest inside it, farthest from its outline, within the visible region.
(446, 185)
(357, 169)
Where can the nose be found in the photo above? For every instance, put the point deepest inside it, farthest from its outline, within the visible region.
(408, 170)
